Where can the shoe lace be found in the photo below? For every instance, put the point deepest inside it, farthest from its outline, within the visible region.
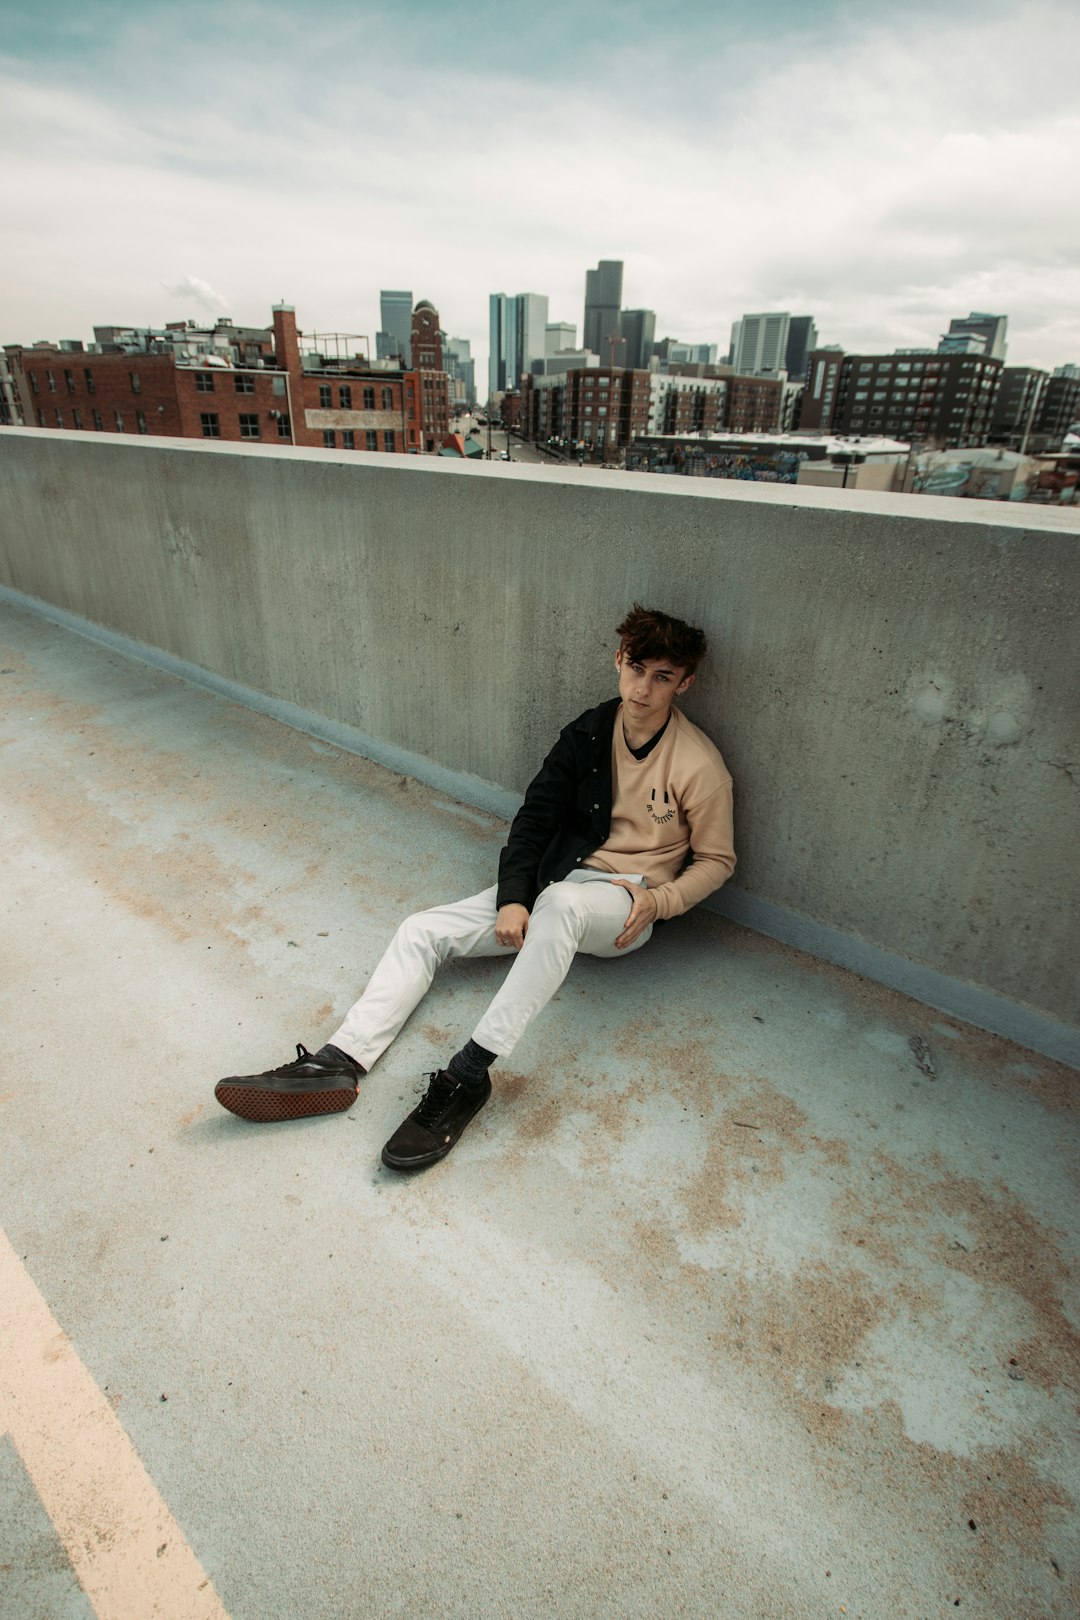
(441, 1087)
(302, 1056)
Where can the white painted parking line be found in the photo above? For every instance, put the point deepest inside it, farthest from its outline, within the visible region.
(126, 1548)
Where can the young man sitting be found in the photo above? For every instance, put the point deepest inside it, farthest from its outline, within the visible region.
(627, 821)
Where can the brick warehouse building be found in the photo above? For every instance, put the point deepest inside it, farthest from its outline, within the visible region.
(250, 392)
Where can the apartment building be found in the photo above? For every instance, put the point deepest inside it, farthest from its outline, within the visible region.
(597, 408)
(947, 398)
(605, 408)
(1016, 406)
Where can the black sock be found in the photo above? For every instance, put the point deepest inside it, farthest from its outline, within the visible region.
(471, 1064)
(334, 1054)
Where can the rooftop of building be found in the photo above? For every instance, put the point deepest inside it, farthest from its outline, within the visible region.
(754, 1289)
(826, 443)
(764, 1306)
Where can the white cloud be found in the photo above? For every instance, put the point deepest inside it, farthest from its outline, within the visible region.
(193, 289)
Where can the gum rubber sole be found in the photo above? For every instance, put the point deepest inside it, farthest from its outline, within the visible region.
(264, 1106)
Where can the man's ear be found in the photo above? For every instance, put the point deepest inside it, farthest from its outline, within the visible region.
(618, 659)
(683, 685)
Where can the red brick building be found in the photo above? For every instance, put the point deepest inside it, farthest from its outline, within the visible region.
(603, 409)
(597, 410)
(754, 405)
(280, 397)
(429, 383)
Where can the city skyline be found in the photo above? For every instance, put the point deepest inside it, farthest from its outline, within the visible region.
(885, 177)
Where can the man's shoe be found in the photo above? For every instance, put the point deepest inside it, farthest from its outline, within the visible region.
(311, 1085)
(432, 1129)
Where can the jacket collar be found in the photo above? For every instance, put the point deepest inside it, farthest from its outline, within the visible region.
(599, 722)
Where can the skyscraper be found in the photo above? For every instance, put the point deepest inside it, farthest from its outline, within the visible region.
(532, 328)
(603, 300)
(518, 324)
(395, 313)
(460, 368)
(802, 337)
(638, 327)
(559, 335)
(761, 341)
(991, 327)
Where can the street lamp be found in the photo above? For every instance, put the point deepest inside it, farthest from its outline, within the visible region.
(847, 459)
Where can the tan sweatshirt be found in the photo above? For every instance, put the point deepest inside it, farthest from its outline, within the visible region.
(674, 803)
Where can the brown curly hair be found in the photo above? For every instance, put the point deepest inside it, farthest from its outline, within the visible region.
(648, 633)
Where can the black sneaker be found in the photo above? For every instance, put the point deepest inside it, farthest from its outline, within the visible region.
(432, 1129)
(313, 1084)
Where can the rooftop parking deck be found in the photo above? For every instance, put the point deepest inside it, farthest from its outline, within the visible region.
(753, 1291)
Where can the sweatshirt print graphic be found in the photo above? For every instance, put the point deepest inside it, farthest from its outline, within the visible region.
(659, 806)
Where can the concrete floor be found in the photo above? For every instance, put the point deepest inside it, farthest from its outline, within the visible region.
(753, 1292)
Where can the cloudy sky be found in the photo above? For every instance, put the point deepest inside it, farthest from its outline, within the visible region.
(880, 166)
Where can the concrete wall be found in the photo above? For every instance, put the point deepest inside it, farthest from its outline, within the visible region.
(892, 682)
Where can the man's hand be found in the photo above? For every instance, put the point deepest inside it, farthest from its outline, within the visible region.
(511, 926)
(642, 913)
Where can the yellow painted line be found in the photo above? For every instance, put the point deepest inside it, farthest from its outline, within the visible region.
(124, 1545)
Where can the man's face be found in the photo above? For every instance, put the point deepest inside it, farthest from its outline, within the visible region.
(648, 688)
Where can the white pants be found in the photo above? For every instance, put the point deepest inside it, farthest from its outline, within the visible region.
(566, 918)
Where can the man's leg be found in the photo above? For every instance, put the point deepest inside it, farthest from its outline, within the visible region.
(325, 1082)
(566, 918)
(408, 965)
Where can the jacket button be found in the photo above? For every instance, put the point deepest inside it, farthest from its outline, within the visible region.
(596, 807)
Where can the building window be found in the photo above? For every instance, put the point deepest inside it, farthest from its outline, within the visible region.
(348, 439)
(136, 384)
(51, 380)
(284, 431)
(41, 418)
(88, 377)
(140, 421)
(119, 421)
(345, 397)
(326, 396)
(98, 423)
(329, 437)
(69, 378)
(59, 417)
(369, 399)
(249, 425)
(244, 383)
(77, 418)
(33, 381)
(278, 385)
(211, 427)
(372, 439)
(388, 399)
(388, 440)
(204, 382)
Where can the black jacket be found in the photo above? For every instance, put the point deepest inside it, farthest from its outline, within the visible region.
(567, 809)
